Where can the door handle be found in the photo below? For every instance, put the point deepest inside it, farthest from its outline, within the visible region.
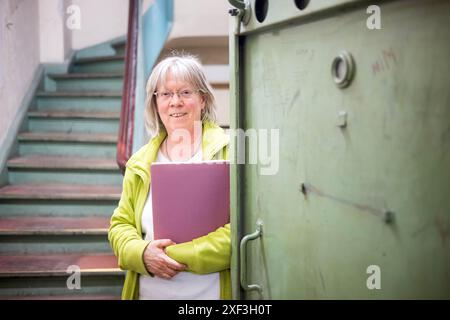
(243, 256)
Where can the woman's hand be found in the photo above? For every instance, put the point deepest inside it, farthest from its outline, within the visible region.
(157, 262)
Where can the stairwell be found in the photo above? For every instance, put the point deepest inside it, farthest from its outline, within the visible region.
(64, 184)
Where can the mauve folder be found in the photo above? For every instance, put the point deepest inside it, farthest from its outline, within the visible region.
(190, 200)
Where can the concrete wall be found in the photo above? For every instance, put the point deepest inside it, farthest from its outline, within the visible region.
(19, 57)
(101, 20)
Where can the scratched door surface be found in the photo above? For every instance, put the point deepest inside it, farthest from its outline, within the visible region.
(359, 206)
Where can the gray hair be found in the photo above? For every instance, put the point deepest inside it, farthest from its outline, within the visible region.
(185, 68)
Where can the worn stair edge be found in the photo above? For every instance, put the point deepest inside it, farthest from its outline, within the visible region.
(93, 75)
(99, 59)
(53, 226)
(68, 137)
(54, 191)
(62, 162)
(79, 94)
(75, 114)
(44, 265)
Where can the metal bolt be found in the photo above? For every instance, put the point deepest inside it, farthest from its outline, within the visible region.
(303, 189)
(342, 119)
(388, 216)
(233, 12)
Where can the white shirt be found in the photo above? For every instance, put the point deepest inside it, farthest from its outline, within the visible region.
(184, 285)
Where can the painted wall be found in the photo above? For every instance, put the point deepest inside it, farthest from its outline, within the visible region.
(67, 32)
(19, 58)
(55, 37)
(200, 18)
(101, 20)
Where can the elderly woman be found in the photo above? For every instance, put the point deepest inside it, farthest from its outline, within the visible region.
(179, 104)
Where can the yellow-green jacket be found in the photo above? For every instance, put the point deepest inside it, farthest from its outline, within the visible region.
(210, 253)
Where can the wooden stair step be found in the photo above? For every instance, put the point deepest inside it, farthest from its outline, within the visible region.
(100, 59)
(44, 265)
(62, 162)
(53, 226)
(93, 75)
(82, 94)
(56, 191)
(68, 137)
(74, 114)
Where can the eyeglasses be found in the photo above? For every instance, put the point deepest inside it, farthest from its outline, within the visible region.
(167, 95)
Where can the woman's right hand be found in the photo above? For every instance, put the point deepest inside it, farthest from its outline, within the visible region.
(157, 262)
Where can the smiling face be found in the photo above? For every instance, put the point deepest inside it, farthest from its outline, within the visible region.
(178, 112)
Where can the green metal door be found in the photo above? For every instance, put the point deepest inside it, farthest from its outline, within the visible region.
(358, 205)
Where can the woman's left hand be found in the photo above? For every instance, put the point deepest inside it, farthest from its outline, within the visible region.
(157, 262)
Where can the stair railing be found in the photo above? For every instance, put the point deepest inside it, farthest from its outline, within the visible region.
(126, 127)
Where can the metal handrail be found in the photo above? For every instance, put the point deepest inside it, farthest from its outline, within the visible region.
(126, 127)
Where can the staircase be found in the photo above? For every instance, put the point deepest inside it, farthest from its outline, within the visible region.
(64, 184)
